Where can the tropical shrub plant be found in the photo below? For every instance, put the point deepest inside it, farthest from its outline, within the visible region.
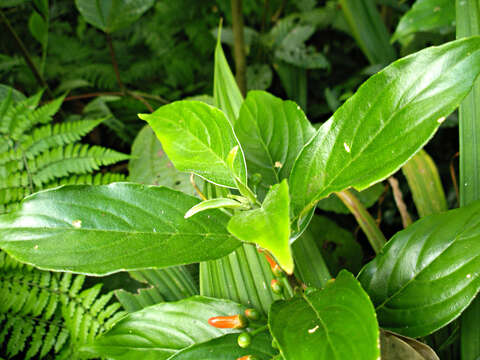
(265, 168)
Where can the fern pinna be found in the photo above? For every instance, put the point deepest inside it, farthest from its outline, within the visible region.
(36, 154)
(48, 311)
(45, 314)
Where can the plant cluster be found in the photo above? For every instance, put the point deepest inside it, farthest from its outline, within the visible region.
(224, 215)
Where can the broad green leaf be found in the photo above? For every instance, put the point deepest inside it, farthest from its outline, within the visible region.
(425, 184)
(17, 96)
(226, 94)
(198, 138)
(112, 15)
(386, 122)
(215, 204)
(150, 165)
(38, 27)
(428, 273)
(158, 332)
(367, 197)
(335, 323)
(104, 229)
(226, 348)
(268, 226)
(169, 284)
(272, 133)
(426, 15)
(397, 347)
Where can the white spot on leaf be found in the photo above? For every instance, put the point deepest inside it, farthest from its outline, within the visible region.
(77, 224)
(441, 120)
(36, 247)
(312, 330)
(278, 164)
(469, 276)
(347, 148)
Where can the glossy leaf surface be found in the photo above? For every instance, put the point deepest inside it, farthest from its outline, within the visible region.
(427, 274)
(159, 331)
(198, 138)
(426, 15)
(226, 348)
(268, 226)
(111, 15)
(104, 229)
(335, 323)
(405, 102)
(272, 133)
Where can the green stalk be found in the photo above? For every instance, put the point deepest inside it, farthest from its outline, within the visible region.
(239, 46)
(468, 23)
(369, 30)
(364, 219)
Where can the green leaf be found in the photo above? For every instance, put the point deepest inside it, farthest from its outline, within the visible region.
(38, 28)
(112, 15)
(226, 348)
(268, 226)
(158, 332)
(198, 138)
(427, 274)
(215, 204)
(226, 94)
(367, 197)
(272, 133)
(335, 323)
(150, 165)
(104, 229)
(402, 104)
(424, 182)
(426, 15)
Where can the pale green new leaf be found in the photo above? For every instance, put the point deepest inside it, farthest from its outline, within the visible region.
(112, 15)
(160, 331)
(336, 323)
(109, 228)
(272, 133)
(215, 204)
(268, 226)
(198, 138)
(428, 273)
(403, 104)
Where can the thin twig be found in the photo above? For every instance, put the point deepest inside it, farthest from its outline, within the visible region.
(192, 181)
(114, 62)
(91, 95)
(398, 197)
(141, 99)
(26, 56)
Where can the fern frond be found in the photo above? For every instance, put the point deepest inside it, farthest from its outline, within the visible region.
(71, 159)
(49, 136)
(43, 312)
(42, 115)
(15, 113)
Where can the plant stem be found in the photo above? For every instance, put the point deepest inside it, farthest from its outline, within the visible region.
(364, 219)
(26, 55)
(114, 62)
(239, 46)
(468, 23)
